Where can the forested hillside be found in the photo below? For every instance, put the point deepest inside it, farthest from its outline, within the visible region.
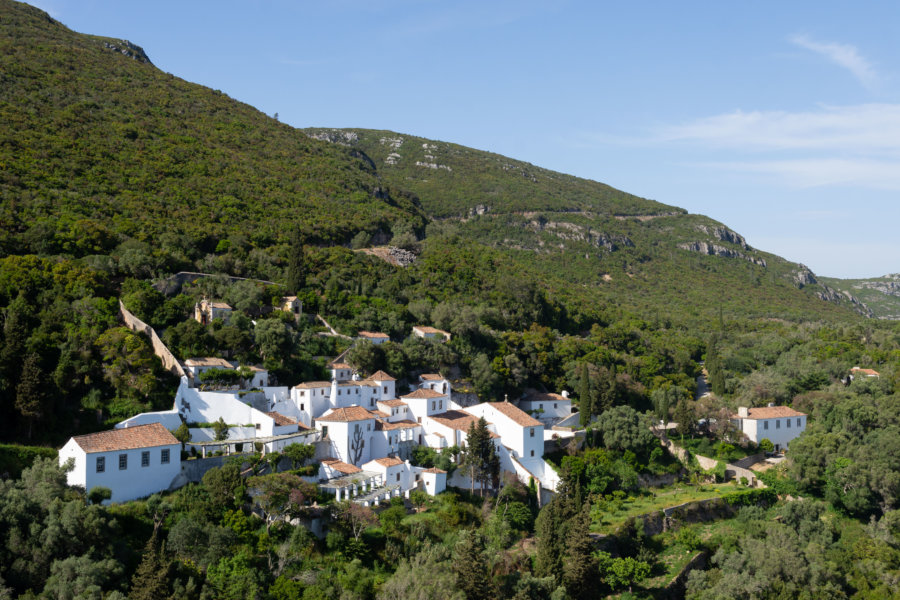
(114, 175)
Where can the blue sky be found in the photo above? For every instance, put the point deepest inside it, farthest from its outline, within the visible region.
(780, 119)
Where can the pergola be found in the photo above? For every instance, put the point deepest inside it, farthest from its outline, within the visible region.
(364, 487)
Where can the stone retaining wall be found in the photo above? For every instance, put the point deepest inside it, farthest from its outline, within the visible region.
(168, 359)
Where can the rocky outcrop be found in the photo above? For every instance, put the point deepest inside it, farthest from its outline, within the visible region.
(401, 257)
(831, 295)
(888, 285)
(723, 234)
(803, 276)
(132, 51)
(335, 136)
(571, 231)
(717, 250)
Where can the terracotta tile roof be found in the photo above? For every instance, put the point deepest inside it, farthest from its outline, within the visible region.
(380, 376)
(381, 414)
(423, 394)
(515, 414)
(427, 329)
(281, 419)
(341, 467)
(288, 298)
(373, 334)
(306, 385)
(455, 419)
(389, 461)
(208, 362)
(224, 305)
(351, 413)
(127, 438)
(404, 424)
(256, 369)
(431, 377)
(340, 365)
(536, 396)
(869, 372)
(392, 402)
(771, 412)
(434, 470)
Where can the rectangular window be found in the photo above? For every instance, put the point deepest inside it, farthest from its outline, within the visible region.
(368, 427)
(441, 404)
(302, 393)
(777, 423)
(532, 432)
(532, 452)
(798, 421)
(164, 456)
(101, 464)
(432, 405)
(765, 425)
(145, 458)
(302, 406)
(325, 432)
(788, 423)
(398, 476)
(554, 405)
(371, 402)
(123, 462)
(385, 389)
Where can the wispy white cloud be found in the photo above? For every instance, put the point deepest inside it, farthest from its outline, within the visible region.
(817, 172)
(843, 55)
(867, 128)
(850, 145)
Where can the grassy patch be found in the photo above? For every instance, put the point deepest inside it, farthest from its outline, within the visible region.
(614, 509)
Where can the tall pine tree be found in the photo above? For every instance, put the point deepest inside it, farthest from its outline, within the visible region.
(579, 566)
(585, 398)
(471, 568)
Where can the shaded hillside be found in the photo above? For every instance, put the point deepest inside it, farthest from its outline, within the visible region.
(881, 294)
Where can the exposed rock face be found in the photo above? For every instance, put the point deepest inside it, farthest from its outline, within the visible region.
(725, 235)
(831, 295)
(401, 257)
(571, 231)
(804, 276)
(891, 288)
(130, 50)
(342, 138)
(717, 250)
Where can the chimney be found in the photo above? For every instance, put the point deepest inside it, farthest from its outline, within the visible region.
(743, 412)
(770, 404)
(564, 394)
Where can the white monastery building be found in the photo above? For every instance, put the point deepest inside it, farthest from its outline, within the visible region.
(133, 462)
(778, 424)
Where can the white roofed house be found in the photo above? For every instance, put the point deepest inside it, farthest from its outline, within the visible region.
(436, 382)
(206, 311)
(431, 333)
(132, 462)
(351, 431)
(779, 424)
(425, 402)
(374, 336)
(522, 438)
(549, 409)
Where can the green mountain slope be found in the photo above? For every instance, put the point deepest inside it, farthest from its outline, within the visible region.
(91, 129)
(596, 242)
(880, 294)
(104, 157)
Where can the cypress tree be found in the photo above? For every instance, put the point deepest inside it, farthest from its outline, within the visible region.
(585, 404)
(470, 566)
(151, 580)
(579, 566)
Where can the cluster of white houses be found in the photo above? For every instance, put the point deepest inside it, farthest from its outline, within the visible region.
(364, 433)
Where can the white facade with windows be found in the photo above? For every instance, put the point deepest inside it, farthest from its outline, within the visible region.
(133, 462)
(778, 424)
